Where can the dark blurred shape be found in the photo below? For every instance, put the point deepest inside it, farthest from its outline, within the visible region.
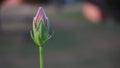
(43, 1)
(114, 8)
(1, 1)
(37, 1)
(108, 8)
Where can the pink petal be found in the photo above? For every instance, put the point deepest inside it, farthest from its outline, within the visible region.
(40, 15)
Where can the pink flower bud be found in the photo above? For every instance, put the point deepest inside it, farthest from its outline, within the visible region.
(41, 26)
(40, 16)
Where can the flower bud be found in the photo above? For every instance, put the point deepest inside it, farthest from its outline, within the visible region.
(41, 26)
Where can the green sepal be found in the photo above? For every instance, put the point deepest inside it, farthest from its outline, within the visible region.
(48, 24)
(43, 33)
(49, 37)
(35, 34)
(34, 29)
(33, 38)
(31, 34)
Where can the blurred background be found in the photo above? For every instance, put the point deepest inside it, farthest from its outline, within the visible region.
(87, 34)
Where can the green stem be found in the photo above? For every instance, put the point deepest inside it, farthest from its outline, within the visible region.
(41, 57)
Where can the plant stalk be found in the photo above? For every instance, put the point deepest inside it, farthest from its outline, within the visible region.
(41, 57)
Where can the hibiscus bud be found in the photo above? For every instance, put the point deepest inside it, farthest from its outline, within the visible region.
(40, 16)
(41, 25)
